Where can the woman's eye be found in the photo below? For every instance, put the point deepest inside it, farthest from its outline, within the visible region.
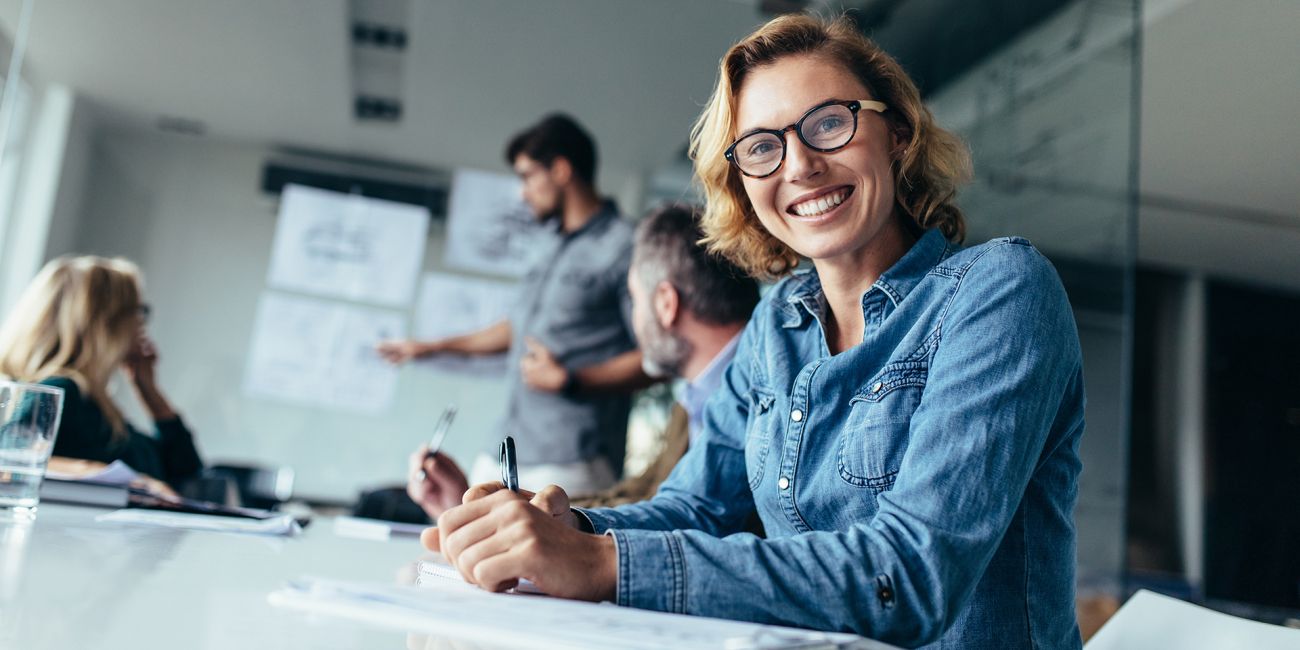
(762, 149)
(829, 125)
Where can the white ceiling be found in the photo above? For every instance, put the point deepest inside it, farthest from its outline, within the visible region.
(635, 72)
(1219, 103)
(1220, 134)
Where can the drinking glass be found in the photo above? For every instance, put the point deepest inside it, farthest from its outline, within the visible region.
(29, 420)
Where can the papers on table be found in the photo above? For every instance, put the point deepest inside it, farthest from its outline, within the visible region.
(509, 620)
(489, 227)
(115, 473)
(348, 246)
(450, 305)
(378, 529)
(1150, 621)
(322, 353)
(440, 575)
(277, 525)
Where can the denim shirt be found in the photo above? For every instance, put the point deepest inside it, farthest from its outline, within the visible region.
(917, 488)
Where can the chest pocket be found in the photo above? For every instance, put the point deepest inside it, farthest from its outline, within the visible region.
(761, 428)
(876, 433)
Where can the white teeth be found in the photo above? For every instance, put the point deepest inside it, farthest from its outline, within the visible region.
(814, 207)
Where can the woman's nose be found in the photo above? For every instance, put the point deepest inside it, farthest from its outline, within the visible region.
(801, 162)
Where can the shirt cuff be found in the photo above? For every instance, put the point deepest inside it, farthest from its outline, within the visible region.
(651, 570)
(599, 522)
(584, 522)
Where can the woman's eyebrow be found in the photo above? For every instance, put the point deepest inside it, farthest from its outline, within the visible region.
(759, 129)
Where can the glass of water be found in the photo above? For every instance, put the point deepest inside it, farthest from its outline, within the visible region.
(29, 420)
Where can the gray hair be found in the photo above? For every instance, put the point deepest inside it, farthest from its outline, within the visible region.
(668, 249)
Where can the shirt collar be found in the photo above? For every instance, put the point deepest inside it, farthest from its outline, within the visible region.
(806, 297)
(695, 393)
(607, 210)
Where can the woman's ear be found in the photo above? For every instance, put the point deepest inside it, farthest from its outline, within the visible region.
(666, 303)
(900, 136)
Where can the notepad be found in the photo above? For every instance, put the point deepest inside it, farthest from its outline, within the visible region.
(378, 529)
(505, 620)
(115, 473)
(85, 493)
(276, 525)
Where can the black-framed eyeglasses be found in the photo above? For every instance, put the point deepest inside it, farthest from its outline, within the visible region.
(826, 127)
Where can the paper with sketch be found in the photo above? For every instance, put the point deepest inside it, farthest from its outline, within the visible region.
(322, 353)
(523, 621)
(1151, 621)
(281, 525)
(450, 305)
(115, 473)
(348, 246)
(489, 228)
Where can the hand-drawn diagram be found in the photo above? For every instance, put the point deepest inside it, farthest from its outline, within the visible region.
(322, 353)
(489, 228)
(455, 304)
(346, 246)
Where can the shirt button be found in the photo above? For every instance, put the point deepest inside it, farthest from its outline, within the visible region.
(879, 385)
(783, 483)
(796, 415)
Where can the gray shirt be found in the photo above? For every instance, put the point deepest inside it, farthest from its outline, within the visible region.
(575, 302)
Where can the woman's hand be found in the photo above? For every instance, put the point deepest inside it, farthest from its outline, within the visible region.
(498, 537)
(552, 500)
(141, 360)
(139, 367)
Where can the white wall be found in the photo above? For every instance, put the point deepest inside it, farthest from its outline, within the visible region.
(189, 212)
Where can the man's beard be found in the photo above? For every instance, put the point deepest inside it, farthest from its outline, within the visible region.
(663, 353)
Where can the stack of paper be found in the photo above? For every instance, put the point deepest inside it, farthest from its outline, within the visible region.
(1150, 621)
(508, 620)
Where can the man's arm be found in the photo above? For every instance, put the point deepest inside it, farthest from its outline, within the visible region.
(492, 339)
(618, 374)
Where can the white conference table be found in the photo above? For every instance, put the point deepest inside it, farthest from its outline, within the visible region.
(67, 581)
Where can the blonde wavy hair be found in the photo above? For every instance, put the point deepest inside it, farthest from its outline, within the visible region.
(932, 165)
(77, 319)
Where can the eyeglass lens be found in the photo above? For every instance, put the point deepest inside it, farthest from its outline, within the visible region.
(827, 128)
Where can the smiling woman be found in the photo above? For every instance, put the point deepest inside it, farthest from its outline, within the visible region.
(930, 163)
(915, 476)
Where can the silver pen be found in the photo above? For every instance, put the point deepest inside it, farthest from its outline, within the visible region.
(439, 434)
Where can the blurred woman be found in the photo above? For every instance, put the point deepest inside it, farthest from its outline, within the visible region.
(79, 321)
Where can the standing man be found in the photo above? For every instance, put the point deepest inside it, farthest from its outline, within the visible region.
(688, 310)
(573, 316)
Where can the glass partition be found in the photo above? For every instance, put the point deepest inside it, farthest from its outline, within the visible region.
(1051, 119)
